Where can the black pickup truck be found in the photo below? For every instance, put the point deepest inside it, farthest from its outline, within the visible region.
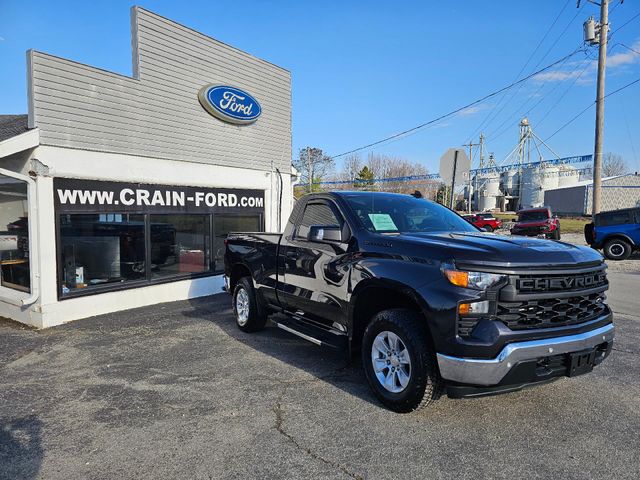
(432, 303)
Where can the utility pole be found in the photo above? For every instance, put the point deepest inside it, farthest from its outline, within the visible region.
(309, 170)
(453, 180)
(602, 62)
(471, 145)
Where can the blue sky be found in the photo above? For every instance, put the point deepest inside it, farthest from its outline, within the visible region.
(364, 70)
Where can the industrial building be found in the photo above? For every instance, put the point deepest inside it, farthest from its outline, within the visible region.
(622, 191)
(520, 182)
(117, 191)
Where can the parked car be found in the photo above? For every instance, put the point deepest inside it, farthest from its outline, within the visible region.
(430, 304)
(533, 222)
(616, 232)
(484, 221)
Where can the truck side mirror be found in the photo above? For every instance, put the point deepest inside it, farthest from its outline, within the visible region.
(324, 233)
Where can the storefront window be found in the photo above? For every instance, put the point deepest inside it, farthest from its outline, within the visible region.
(99, 249)
(223, 224)
(116, 235)
(179, 244)
(14, 234)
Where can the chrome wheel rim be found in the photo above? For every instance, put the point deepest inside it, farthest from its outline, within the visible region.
(391, 362)
(616, 250)
(242, 307)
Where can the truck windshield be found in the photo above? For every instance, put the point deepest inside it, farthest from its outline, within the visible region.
(395, 213)
(534, 215)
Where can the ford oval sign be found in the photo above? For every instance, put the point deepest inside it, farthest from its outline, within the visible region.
(229, 104)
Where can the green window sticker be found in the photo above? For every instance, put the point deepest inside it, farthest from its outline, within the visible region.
(383, 222)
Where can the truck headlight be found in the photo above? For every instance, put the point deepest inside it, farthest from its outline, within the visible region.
(475, 280)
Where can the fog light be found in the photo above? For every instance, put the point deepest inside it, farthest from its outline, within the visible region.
(473, 308)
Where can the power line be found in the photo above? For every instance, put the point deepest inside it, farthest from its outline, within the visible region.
(629, 48)
(458, 110)
(624, 24)
(494, 114)
(508, 126)
(582, 112)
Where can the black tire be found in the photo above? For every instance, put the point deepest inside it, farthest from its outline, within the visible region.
(425, 385)
(487, 228)
(555, 235)
(617, 249)
(255, 318)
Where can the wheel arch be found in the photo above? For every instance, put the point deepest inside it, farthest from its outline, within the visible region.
(374, 296)
(238, 271)
(618, 236)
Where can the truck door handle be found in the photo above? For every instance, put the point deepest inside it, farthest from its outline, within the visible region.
(291, 255)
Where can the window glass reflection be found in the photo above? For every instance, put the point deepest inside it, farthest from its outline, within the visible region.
(100, 249)
(14, 234)
(179, 244)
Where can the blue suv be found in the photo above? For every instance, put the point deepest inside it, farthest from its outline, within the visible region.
(616, 232)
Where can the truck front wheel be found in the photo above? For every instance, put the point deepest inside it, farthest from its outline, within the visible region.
(399, 361)
(250, 317)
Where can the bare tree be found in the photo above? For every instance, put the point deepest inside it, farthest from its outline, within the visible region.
(613, 164)
(384, 167)
(350, 168)
(313, 165)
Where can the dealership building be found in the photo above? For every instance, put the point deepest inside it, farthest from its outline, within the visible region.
(118, 191)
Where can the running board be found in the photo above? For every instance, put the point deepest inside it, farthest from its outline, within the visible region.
(300, 334)
(312, 333)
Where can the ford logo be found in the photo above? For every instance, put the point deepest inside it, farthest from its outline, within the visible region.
(229, 104)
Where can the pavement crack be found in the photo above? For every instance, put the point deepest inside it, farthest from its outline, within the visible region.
(279, 426)
(624, 351)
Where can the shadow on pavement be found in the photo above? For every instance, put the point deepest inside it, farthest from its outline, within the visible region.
(21, 450)
(324, 363)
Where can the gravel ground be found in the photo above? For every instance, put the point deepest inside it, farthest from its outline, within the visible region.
(176, 391)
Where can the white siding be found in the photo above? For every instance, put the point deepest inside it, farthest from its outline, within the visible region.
(157, 114)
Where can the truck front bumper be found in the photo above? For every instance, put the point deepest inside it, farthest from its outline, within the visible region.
(527, 362)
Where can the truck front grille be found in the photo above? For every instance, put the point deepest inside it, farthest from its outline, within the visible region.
(551, 312)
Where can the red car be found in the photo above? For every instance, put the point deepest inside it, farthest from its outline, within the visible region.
(537, 221)
(484, 221)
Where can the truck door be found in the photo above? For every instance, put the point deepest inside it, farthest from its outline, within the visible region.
(313, 279)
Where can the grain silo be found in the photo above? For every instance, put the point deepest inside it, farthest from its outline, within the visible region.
(510, 184)
(487, 191)
(535, 180)
(568, 176)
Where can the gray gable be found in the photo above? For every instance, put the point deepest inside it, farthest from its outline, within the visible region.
(156, 113)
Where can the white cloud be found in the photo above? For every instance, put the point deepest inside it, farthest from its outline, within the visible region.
(620, 59)
(625, 58)
(556, 76)
(469, 111)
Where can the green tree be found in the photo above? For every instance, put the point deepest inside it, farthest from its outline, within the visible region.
(364, 178)
(442, 195)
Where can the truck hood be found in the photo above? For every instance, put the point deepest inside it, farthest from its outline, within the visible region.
(492, 249)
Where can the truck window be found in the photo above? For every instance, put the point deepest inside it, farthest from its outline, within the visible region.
(615, 218)
(533, 215)
(384, 213)
(319, 214)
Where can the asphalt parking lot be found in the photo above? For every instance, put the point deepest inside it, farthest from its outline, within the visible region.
(176, 391)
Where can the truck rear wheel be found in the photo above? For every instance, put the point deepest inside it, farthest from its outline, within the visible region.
(399, 361)
(617, 249)
(250, 316)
